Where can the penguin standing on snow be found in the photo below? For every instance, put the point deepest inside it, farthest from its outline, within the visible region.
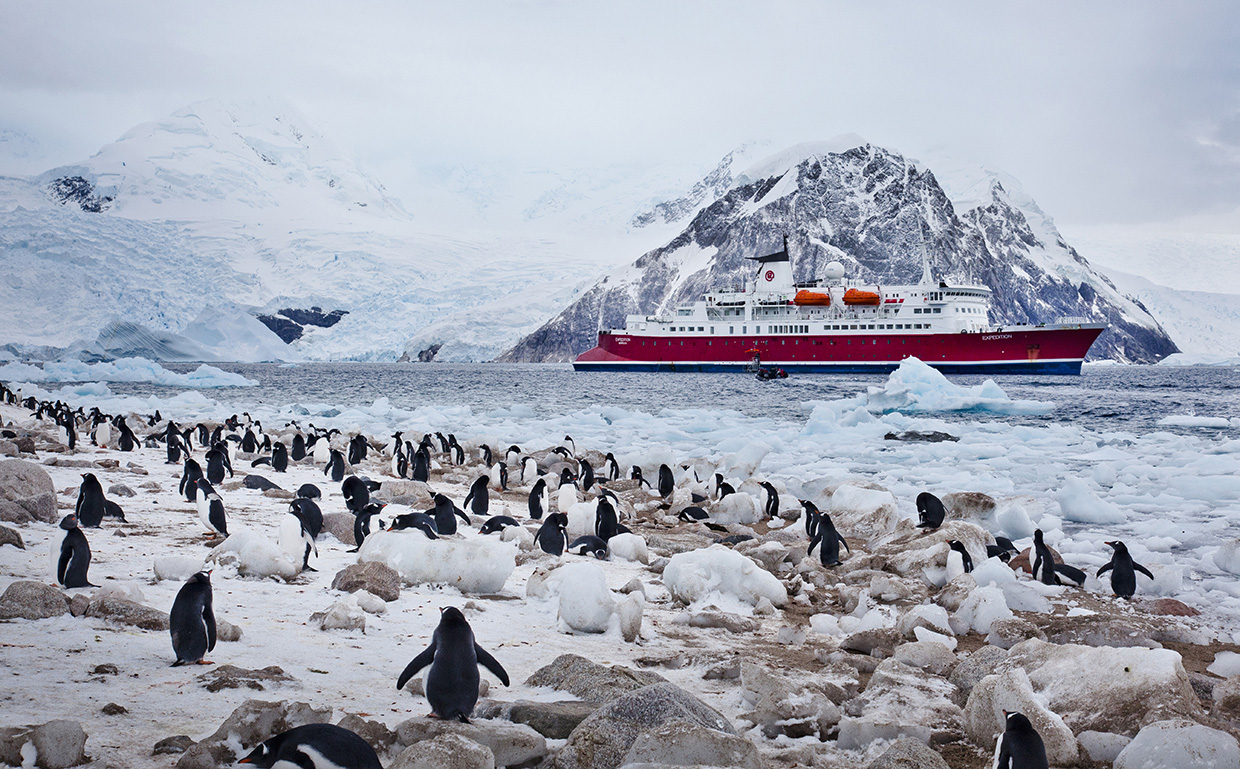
(825, 534)
(356, 495)
(279, 457)
(667, 482)
(611, 468)
(587, 476)
(218, 463)
(499, 476)
(90, 503)
(299, 447)
(192, 621)
(361, 522)
(479, 496)
(211, 509)
(421, 464)
(772, 500)
(540, 500)
(189, 479)
(1046, 570)
(1123, 571)
(74, 557)
(1021, 746)
(445, 514)
(930, 511)
(314, 746)
(529, 469)
(551, 535)
(606, 525)
(308, 512)
(296, 542)
(454, 656)
(357, 449)
(335, 466)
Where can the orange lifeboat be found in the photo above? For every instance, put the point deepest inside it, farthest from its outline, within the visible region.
(812, 299)
(855, 296)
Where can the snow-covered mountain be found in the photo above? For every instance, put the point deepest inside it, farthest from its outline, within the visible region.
(188, 234)
(1202, 323)
(871, 209)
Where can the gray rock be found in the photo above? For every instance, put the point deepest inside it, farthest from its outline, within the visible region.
(11, 740)
(928, 656)
(226, 631)
(11, 537)
(32, 600)
(339, 616)
(780, 705)
(510, 743)
(60, 744)
(602, 740)
(121, 490)
(733, 623)
(256, 720)
(113, 709)
(589, 681)
(376, 734)
(207, 755)
(908, 754)
(28, 485)
(173, 745)
(373, 577)
(879, 642)
(8, 449)
(553, 720)
(278, 494)
(969, 505)
(1009, 631)
(899, 701)
(446, 751)
(977, 666)
(11, 512)
(1102, 747)
(1180, 744)
(233, 677)
(684, 744)
(340, 526)
(127, 612)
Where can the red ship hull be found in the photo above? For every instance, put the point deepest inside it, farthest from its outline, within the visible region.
(1022, 350)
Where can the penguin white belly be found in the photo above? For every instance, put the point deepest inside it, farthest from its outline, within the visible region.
(566, 497)
(204, 511)
(291, 542)
(495, 476)
(955, 565)
(322, 451)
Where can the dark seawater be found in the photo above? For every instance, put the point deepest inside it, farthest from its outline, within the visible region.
(1105, 398)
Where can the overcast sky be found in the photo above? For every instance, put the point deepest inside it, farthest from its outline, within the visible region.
(1107, 111)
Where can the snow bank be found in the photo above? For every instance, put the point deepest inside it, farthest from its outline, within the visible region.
(123, 370)
(475, 565)
(253, 555)
(586, 603)
(916, 387)
(718, 572)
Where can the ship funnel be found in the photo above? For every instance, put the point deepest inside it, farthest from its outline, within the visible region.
(774, 271)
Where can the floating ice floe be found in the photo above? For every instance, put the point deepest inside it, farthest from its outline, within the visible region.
(473, 565)
(917, 387)
(123, 370)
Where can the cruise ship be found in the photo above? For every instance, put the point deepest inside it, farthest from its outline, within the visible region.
(836, 325)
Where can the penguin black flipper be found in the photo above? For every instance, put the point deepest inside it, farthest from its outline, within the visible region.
(208, 617)
(813, 542)
(261, 461)
(66, 554)
(1141, 569)
(460, 514)
(844, 542)
(1071, 572)
(1109, 566)
(715, 526)
(491, 664)
(422, 660)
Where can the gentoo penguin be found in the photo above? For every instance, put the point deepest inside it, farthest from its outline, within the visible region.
(499, 476)
(279, 457)
(1003, 549)
(930, 512)
(692, 514)
(452, 681)
(572, 445)
(611, 468)
(296, 542)
(218, 463)
(1123, 571)
(127, 441)
(566, 496)
(667, 482)
(424, 522)
(421, 464)
(1046, 570)
(192, 622)
(587, 475)
(74, 558)
(249, 442)
(335, 466)
(498, 523)
(174, 448)
(103, 435)
(636, 474)
(356, 494)
(189, 479)
(211, 509)
(308, 512)
(589, 545)
(606, 525)
(322, 449)
(90, 502)
(357, 449)
(299, 447)
(484, 454)
(772, 499)
(314, 746)
(529, 469)
(361, 522)
(830, 539)
(445, 514)
(958, 560)
(458, 453)
(722, 487)
(539, 501)
(551, 535)
(400, 461)
(478, 500)
(1021, 746)
(309, 491)
(113, 510)
(512, 455)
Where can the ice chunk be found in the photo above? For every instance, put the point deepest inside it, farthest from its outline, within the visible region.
(1225, 664)
(698, 574)
(983, 606)
(123, 370)
(586, 603)
(176, 567)
(475, 565)
(254, 555)
(916, 387)
(1014, 522)
(629, 547)
(1179, 743)
(1080, 504)
(925, 634)
(1227, 556)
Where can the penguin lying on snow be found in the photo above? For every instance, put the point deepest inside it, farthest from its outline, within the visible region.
(314, 746)
(192, 621)
(498, 523)
(1123, 571)
(454, 656)
(1003, 549)
(589, 545)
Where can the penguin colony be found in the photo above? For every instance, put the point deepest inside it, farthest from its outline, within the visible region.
(454, 655)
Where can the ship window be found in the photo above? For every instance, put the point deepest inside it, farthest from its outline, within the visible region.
(744, 329)
(937, 310)
(917, 311)
(854, 328)
(731, 329)
(757, 329)
(712, 329)
(700, 328)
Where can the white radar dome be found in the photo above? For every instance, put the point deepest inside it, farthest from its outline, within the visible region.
(834, 271)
